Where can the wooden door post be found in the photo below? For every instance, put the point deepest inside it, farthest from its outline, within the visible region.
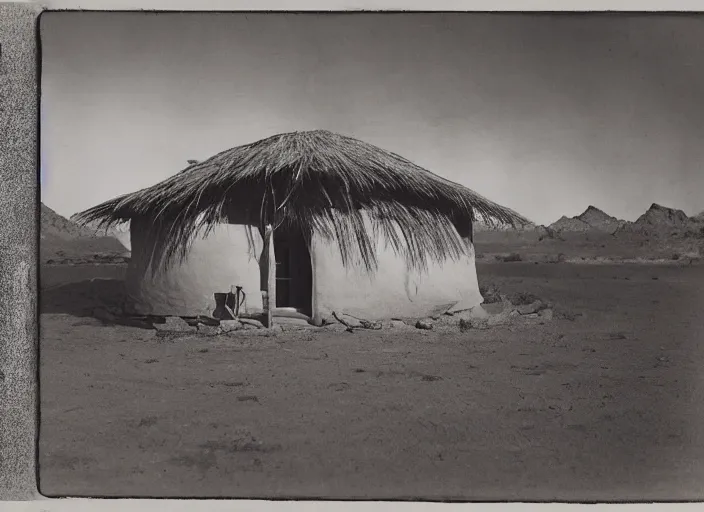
(268, 266)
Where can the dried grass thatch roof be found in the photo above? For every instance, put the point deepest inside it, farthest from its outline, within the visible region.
(315, 181)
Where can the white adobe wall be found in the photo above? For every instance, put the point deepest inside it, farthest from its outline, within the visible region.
(214, 264)
(223, 259)
(394, 290)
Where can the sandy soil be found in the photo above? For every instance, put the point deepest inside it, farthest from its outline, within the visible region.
(606, 406)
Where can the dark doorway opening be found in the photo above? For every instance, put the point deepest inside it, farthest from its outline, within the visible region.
(294, 272)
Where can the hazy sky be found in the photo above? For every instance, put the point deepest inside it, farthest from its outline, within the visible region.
(546, 114)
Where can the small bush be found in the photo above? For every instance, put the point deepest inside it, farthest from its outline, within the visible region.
(675, 256)
(507, 258)
(465, 325)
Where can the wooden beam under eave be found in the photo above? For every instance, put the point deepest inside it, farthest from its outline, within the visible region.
(268, 278)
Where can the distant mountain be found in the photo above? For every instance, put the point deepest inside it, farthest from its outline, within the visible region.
(480, 225)
(571, 224)
(591, 220)
(658, 221)
(53, 224)
(63, 240)
(600, 220)
(660, 233)
(662, 216)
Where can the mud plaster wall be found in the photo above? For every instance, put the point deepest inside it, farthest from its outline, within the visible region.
(393, 290)
(18, 251)
(214, 263)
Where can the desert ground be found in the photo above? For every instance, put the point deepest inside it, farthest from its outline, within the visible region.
(604, 402)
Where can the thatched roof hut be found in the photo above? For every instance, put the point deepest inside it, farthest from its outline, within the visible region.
(320, 185)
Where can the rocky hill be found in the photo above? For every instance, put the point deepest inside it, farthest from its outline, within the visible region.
(660, 221)
(481, 226)
(572, 224)
(599, 220)
(64, 241)
(54, 224)
(591, 220)
(660, 233)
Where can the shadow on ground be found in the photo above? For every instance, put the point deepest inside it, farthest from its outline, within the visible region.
(100, 299)
(82, 298)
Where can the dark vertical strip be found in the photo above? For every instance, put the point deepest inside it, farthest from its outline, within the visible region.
(19, 115)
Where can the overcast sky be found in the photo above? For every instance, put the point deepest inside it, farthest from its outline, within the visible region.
(546, 114)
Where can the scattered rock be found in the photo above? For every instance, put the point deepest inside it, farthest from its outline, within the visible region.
(530, 308)
(174, 324)
(248, 323)
(514, 313)
(441, 310)
(546, 314)
(424, 324)
(230, 325)
(462, 306)
(370, 325)
(208, 321)
(475, 313)
(398, 324)
(350, 320)
(531, 315)
(208, 330)
(290, 321)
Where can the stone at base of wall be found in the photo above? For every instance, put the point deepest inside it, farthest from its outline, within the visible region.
(475, 313)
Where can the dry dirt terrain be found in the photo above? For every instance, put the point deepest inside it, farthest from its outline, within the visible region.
(606, 402)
